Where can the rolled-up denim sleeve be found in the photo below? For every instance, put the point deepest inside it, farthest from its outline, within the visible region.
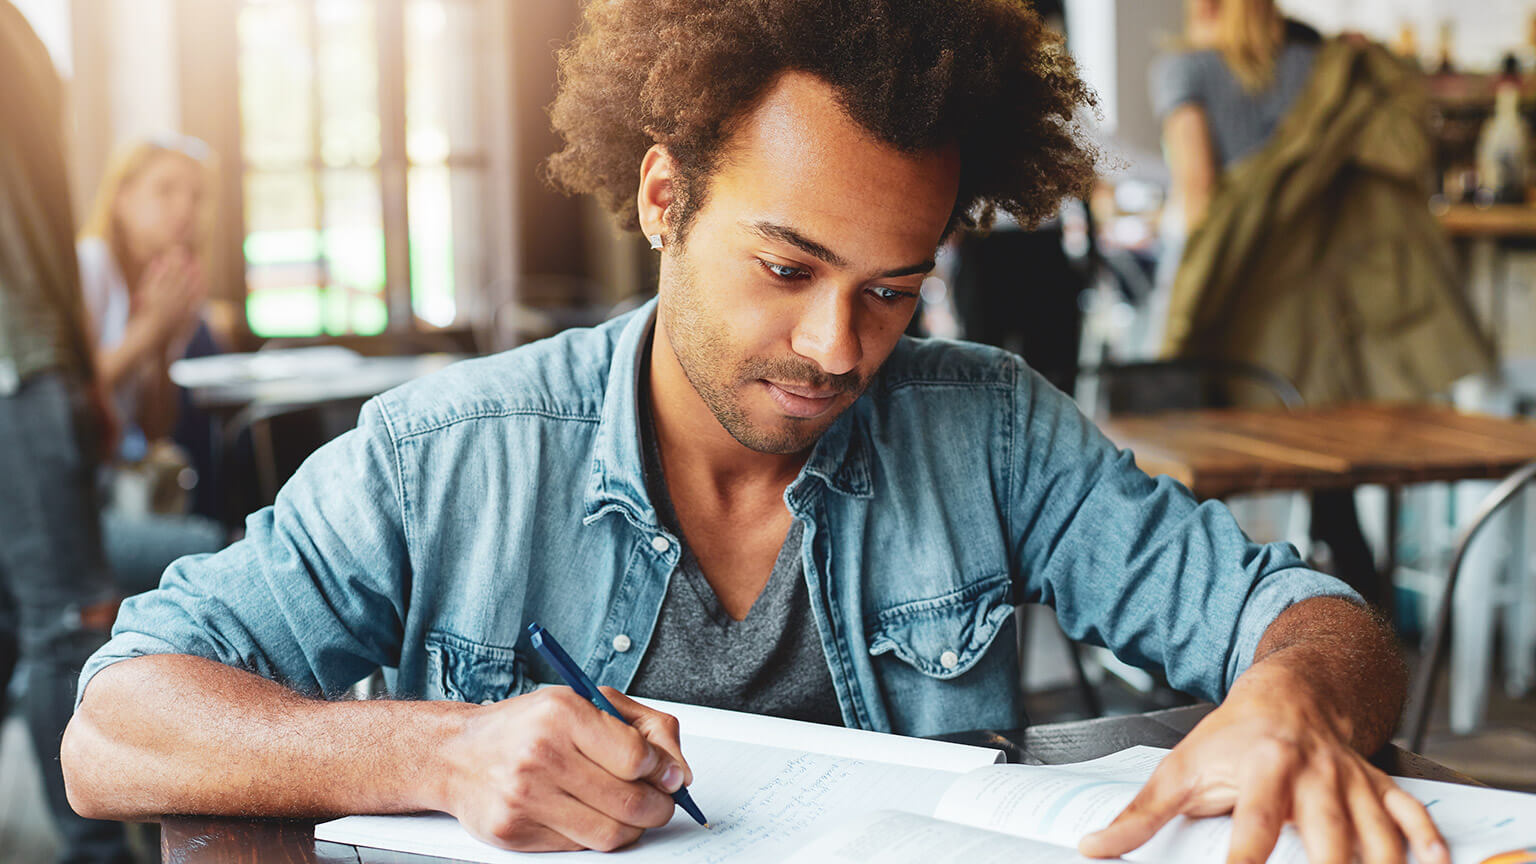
(313, 596)
(1134, 563)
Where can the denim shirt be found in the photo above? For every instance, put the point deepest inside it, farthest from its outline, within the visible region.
(510, 489)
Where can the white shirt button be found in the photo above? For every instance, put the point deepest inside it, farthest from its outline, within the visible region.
(621, 643)
(487, 701)
(949, 659)
(660, 543)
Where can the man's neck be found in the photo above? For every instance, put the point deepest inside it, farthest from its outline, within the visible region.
(697, 453)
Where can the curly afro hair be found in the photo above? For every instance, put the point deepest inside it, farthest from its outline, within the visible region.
(985, 75)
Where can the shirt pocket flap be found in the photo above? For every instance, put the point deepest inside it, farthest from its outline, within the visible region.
(469, 671)
(945, 636)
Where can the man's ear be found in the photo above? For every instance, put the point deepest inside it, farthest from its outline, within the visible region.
(657, 171)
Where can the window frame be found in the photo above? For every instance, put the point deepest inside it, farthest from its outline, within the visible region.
(210, 57)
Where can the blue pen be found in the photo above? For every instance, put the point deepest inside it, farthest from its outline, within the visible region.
(546, 645)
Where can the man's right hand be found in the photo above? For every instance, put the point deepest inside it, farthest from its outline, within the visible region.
(548, 771)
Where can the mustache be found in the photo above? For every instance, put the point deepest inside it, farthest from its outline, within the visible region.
(799, 372)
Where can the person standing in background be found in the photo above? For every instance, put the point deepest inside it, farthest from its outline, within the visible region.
(57, 597)
(1298, 164)
(142, 253)
(1221, 101)
(1223, 98)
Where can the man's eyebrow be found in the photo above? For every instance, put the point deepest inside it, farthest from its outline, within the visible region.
(785, 234)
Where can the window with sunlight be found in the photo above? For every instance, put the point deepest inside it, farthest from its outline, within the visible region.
(363, 162)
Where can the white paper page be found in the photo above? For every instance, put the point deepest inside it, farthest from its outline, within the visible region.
(891, 837)
(762, 803)
(820, 738)
(1060, 804)
(1477, 823)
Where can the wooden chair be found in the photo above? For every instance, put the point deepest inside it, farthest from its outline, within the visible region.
(1423, 694)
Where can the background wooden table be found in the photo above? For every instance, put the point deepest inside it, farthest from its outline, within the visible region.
(1499, 221)
(208, 840)
(1219, 453)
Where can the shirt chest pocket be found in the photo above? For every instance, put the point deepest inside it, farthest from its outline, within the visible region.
(944, 637)
(467, 671)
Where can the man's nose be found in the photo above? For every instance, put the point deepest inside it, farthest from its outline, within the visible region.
(826, 332)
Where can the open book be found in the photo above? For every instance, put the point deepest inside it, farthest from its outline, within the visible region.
(778, 790)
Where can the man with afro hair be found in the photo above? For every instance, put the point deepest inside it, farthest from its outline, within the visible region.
(753, 493)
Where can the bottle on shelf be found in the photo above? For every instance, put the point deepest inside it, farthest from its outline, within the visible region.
(1503, 148)
(1444, 63)
(1407, 43)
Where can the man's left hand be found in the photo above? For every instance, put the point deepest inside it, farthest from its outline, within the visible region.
(1270, 755)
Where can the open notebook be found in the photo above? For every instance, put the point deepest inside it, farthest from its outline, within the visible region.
(777, 790)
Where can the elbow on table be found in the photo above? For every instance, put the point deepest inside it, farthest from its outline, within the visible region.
(85, 756)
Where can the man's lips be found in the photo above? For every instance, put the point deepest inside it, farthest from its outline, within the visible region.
(803, 391)
(800, 401)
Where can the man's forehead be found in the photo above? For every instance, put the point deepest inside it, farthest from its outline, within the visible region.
(812, 168)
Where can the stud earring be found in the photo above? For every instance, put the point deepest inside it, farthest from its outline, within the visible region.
(655, 240)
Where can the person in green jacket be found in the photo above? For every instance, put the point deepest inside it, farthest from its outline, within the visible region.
(1300, 166)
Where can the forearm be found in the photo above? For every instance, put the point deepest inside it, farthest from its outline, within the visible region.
(1334, 656)
(180, 734)
(115, 365)
(158, 404)
(1191, 162)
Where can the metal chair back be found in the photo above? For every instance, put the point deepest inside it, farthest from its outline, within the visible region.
(1423, 694)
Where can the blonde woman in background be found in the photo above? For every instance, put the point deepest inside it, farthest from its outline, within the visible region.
(1298, 163)
(1220, 100)
(142, 274)
(1224, 97)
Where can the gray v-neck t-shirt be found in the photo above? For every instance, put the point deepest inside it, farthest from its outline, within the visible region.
(770, 662)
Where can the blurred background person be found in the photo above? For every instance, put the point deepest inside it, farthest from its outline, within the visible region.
(142, 252)
(1016, 288)
(1234, 74)
(57, 598)
(1222, 98)
(1298, 167)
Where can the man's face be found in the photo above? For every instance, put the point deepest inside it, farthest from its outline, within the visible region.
(801, 271)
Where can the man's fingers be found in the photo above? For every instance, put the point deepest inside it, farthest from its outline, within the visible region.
(660, 729)
(631, 802)
(1380, 840)
(1416, 825)
(1150, 810)
(587, 827)
(614, 745)
(529, 838)
(1321, 819)
(1263, 803)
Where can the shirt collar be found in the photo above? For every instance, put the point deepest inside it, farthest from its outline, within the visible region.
(840, 458)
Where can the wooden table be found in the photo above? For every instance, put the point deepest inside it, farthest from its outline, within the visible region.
(207, 840)
(1499, 221)
(1219, 453)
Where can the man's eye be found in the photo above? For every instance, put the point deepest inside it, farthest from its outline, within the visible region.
(782, 271)
(889, 295)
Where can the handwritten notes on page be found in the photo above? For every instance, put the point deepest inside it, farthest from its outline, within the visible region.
(763, 803)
